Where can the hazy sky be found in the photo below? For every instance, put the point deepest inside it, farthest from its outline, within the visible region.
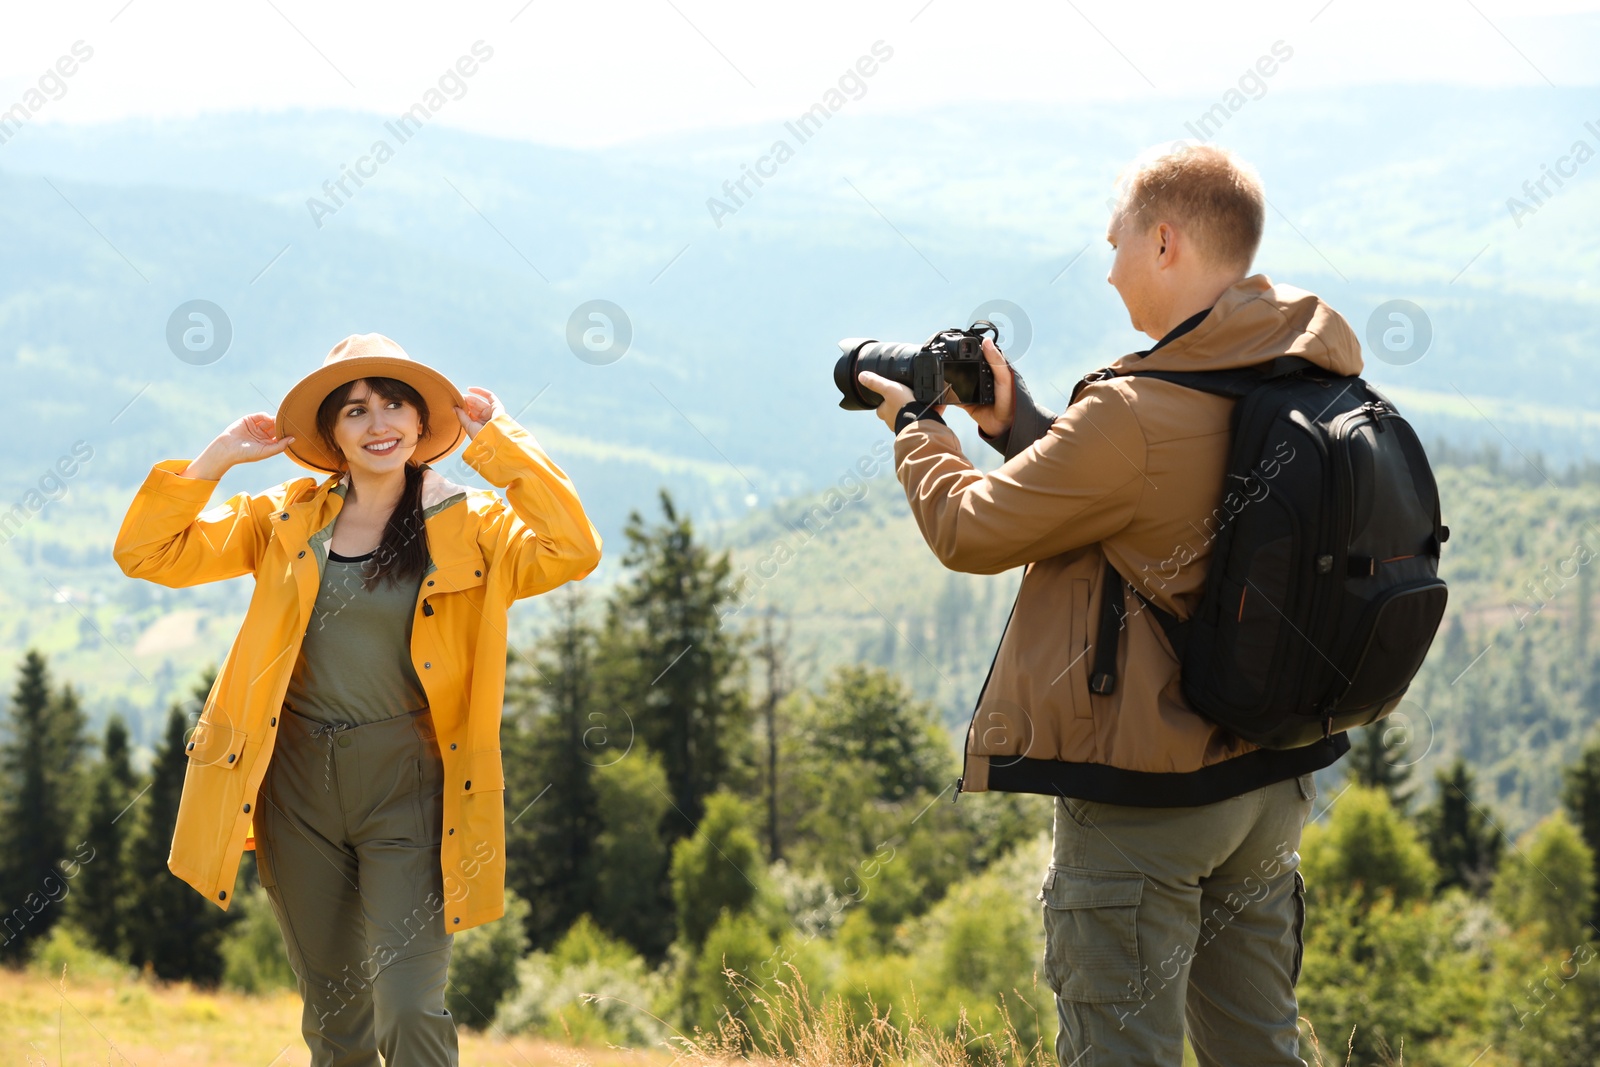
(591, 74)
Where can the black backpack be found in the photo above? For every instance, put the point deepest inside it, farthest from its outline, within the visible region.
(1323, 593)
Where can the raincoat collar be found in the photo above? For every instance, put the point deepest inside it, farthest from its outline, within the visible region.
(319, 511)
(437, 490)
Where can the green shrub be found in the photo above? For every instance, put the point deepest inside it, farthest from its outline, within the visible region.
(970, 966)
(589, 989)
(1367, 848)
(483, 964)
(1546, 886)
(717, 869)
(67, 946)
(740, 943)
(253, 956)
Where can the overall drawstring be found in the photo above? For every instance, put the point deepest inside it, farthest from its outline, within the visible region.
(328, 729)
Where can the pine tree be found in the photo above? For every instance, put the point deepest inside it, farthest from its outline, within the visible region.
(1459, 834)
(633, 897)
(867, 718)
(563, 734)
(771, 654)
(179, 932)
(1378, 758)
(39, 770)
(1582, 797)
(667, 656)
(99, 906)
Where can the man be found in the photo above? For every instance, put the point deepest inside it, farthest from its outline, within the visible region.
(1174, 898)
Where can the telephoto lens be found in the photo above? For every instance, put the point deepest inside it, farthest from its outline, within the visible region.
(946, 368)
(892, 359)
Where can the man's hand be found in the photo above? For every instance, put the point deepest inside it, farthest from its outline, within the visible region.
(895, 396)
(995, 419)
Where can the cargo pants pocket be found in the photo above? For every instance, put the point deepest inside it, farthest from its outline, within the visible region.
(1091, 934)
(1299, 927)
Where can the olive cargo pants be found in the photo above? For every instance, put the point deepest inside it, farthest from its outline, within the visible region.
(348, 832)
(1158, 919)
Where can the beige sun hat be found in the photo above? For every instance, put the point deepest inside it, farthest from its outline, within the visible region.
(368, 355)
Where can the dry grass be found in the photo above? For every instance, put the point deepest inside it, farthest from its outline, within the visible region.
(99, 1020)
(109, 1023)
(785, 1027)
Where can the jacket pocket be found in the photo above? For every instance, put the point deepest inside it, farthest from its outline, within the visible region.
(1077, 655)
(482, 771)
(215, 743)
(456, 575)
(1091, 934)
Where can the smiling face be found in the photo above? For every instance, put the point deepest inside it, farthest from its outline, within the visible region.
(375, 434)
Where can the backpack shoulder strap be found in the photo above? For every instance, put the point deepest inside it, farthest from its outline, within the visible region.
(1113, 617)
(1089, 379)
(1235, 382)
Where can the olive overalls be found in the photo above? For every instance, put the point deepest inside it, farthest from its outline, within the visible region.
(348, 832)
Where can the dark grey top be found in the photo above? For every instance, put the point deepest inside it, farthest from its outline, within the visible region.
(355, 662)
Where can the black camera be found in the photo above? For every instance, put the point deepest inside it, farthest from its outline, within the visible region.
(949, 360)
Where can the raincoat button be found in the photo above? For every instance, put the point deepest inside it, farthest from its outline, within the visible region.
(284, 515)
(302, 553)
(190, 745)
(457, 918)
(468, 785)
(222, 895)
(477, 574)
(232, 756)
(427, 665)
(247, 807)
(430, 581)
(452, 829)
(274, 721)
(452, 746)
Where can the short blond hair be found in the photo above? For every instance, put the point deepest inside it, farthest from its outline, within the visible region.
(1207, 190)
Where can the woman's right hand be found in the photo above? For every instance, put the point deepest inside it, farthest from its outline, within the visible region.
(247, 439)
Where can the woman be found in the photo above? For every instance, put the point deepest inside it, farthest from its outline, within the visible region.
(359, 706)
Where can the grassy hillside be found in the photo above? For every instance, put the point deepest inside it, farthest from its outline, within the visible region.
(84, 1020)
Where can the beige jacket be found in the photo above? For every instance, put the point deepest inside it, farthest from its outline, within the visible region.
(1132, 472)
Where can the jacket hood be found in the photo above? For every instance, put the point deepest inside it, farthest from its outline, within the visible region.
(1255, 321)
(436, 488)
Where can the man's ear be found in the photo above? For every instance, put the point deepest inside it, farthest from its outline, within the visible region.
(1164, 234)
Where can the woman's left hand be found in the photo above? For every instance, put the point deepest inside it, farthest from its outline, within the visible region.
(482, 406)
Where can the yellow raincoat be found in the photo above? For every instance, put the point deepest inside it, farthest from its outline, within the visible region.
(483, 555)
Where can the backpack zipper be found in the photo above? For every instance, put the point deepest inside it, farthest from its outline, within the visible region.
(1341, 430)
